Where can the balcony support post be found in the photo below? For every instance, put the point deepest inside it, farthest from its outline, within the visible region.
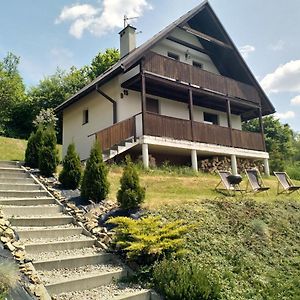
(234, 165)
(194, 160)
(145, 154)
(261, 125)
(143, 96)
(266, 166)
(191, 112)
(229, 120)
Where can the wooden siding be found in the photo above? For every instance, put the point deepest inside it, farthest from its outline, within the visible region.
(170, 68)
(116, 134)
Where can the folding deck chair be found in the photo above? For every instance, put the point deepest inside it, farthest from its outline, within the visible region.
(255, 181)
(286, 183)
(229, 185)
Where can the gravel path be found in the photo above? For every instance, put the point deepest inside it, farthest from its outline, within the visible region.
(107, 292)
(57, 275)
(63, 253)
(78, 237)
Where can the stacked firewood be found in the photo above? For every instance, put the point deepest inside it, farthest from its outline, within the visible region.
(214, 164)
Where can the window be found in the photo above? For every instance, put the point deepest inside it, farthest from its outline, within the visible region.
(152, 105)
(197, 64)
(211, 118)
(173, 55)
(85, 116)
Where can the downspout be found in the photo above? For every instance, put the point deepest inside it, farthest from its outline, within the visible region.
(114, 103)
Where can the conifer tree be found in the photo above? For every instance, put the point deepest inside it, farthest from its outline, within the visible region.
(71, 173)
(131, 194)
(48, 156)
(95, 185)
(33, 147)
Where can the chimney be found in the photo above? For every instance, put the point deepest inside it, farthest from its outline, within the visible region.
(127, 40)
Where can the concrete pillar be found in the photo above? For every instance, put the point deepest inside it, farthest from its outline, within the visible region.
(194, 160)
(267, 168)
(145, 153)
(234, 165)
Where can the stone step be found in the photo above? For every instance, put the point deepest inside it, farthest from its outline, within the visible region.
(24, 180)
(25, 194)
(30, 233)
(36, 221)
(26, 211)
(9, 164)
(74, 262)
(85, 283)
(59, 245)
(11, 170)
(27, 201)
(19, 187)
(139, 295)
(14, 175)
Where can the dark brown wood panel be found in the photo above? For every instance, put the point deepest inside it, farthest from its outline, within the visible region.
(116, 133)
(170, 68)
(211, 134)
(164, 126)
(247, 140)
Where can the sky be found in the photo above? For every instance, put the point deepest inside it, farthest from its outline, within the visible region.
(51, 33)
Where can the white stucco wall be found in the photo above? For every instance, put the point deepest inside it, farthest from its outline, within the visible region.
(166, 46)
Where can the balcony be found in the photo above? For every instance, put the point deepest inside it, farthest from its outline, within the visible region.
(176, 70)
(179, 129)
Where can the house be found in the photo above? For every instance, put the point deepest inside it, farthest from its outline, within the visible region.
(182, 95)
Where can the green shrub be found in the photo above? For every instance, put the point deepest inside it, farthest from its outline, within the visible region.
(184, 280)
(48, 155)
(8, 277)
(149, 238)
(131, 194)
(95, 185)
(33, 147)
(294, 170)
(71, 173)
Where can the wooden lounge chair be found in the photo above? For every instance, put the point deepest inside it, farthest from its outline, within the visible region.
(228, 185)
(286, 183)
(255, 181)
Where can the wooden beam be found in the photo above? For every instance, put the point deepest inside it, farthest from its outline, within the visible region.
(191, 111)
(229, 120)
(262, 129)
(188, 45)
(143, 96)
(206, 37)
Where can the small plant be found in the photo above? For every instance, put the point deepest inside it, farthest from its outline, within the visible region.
(33, 147)
(95, 185)
(71, 173)
(131, 194)
(184, 280)
(149, 238)
(48, 156)
(45, 118)
(8, 277)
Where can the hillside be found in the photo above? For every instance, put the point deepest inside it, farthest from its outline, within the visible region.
(12, 149)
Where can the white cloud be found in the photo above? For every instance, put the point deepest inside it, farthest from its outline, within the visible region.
(286, 115)
(296, 100)
(286, 78)
(246, 50)
(278, 46)
(99, 21)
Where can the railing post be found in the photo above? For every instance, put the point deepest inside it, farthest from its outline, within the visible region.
(143, 95)
(262, 129)
(191, 112)
(229, 121)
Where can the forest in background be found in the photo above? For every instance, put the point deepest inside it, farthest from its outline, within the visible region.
(20, 105)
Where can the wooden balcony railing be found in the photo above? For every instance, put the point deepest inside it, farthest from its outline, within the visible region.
(170, 68)
(116, 133)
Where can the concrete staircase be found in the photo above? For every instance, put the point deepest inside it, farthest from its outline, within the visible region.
(65, 255)
(120, 148)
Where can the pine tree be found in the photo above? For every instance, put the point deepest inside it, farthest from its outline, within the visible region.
(71, 173)
(48, 156)
(131, 194)
(95, 185)
(33, 147)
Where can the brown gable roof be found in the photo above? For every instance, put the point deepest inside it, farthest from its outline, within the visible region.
(133, 57)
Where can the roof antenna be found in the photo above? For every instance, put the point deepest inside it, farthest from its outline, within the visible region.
(126, 19)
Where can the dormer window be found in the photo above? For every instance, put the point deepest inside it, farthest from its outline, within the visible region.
(173, 55)
(85, 116)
